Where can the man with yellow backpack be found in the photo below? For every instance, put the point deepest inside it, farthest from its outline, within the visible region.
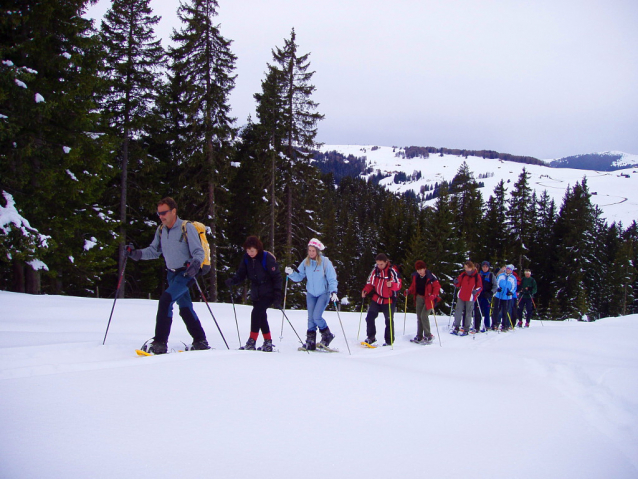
(184, 251)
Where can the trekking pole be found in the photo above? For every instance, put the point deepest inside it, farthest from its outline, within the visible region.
(391, 325)
(342, 330)
(232, 300)
(405, 313)
(437, 327)
(211, 311)
(117, 293)
(452, 308)
(363, 302)
(535, 309)
(293, 328)
(281, 336)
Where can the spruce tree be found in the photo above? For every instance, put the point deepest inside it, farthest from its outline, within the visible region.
(204, 64)
(495, 229)
(52, 150)
(520, 218)
(133, 60)
(467, 203)
(299, 123)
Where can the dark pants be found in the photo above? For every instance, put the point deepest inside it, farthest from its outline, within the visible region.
(484, 306)
(528, 305)
(373, 311)
(503, 313)
(177, 292)
(259, 316)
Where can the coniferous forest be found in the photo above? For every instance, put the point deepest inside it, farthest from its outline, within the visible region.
(99, 122)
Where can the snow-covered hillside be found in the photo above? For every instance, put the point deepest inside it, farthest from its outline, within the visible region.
(605, 161)
(614, 192)
(558, 400)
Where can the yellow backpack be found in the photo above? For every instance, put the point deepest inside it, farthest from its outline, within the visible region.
(201, 230)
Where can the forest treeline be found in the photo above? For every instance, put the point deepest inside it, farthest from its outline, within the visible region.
(98, 122)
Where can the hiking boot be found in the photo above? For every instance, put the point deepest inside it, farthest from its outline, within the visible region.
(250, 345)
(200, 345)
(519, 324)
(370, 341)
(462, 332)
(158, 347)
(455, 331)
(311, 340)
(326, 337)
(416, 339)
(527, 324)
(267, 346)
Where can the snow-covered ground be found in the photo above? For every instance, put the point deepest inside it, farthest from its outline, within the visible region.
(558, 400)
(616, 195)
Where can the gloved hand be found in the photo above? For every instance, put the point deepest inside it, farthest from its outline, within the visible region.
(499, 289)
(456, 281)
(229, 282)
(509, 293)
(134, 254)
(333, 297)
(192, 269)
(475, 292)
(288, 270)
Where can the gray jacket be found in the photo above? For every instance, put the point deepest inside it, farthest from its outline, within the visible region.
(172, 244)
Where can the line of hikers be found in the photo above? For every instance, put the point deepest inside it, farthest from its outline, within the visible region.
(182, 246)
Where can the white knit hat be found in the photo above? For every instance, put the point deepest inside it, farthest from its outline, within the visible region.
(316, 243)
(510, 266)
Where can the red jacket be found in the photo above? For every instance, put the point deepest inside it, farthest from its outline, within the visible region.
(377, 284)
(469, 285)
(432, 288)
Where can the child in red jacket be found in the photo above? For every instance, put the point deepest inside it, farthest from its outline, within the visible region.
(469, 284)
(425, 288)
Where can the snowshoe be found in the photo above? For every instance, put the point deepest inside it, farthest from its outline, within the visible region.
(527, 324)
(483, 330)
(455, 331)
(519, 324)
(416, 340)
(462, 332)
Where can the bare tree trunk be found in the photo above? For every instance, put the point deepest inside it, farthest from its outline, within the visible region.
(123, 199)
(32, 280)
(272, 200)
(18, 276)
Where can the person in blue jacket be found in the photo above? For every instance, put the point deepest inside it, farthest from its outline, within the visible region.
(504, 298)
(321, 288)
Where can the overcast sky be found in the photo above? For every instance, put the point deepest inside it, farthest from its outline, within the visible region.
(546, 78)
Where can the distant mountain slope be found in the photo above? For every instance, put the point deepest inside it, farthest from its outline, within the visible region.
(395, 168)
(605, 161)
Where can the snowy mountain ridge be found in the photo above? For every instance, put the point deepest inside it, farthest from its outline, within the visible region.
(616, 193)
(602, 161)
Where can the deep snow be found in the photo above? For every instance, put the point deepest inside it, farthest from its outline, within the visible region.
(554, 401)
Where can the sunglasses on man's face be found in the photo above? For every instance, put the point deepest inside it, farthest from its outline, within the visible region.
(162, 213)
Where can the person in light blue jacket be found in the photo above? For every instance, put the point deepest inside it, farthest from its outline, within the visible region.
(321, 288)
(505, 293)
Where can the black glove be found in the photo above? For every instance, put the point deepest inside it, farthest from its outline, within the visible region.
(499, 289)
(229, 282)
(509, 293)
(134, 254)
(192, 269)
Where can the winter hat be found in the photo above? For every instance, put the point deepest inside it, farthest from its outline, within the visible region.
(486, 263)
(420, 265)
(317, 244)
(510, 266)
